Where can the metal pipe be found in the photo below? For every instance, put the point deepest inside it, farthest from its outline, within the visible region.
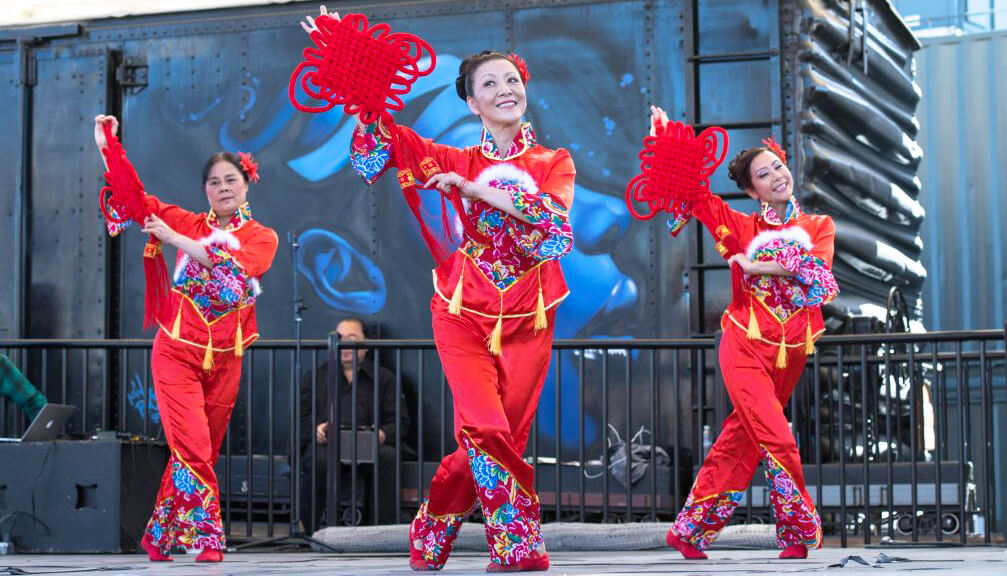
(248, 443)
(271, 429)
(842, 447)
(914, 430)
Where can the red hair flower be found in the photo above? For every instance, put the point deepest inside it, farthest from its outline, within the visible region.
(249, 166)
(522, 68)
(775, 148)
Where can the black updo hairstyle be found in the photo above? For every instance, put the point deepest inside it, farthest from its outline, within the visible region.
(463, 83)
(740, 168)
(223, 157)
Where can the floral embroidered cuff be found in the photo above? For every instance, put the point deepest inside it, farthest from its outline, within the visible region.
(550, 219)
(808, 270)
(370, 151)
(116, 228)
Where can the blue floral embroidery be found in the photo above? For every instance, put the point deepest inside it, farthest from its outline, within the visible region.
(198, 515)
(369, 167)
(553, 247)
(489, 220)
(483, 471)
(184, 480)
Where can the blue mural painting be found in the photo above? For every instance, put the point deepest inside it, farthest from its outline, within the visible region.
(327, 261)
(138, 400)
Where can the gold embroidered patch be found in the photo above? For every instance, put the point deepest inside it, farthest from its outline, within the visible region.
(406, 178)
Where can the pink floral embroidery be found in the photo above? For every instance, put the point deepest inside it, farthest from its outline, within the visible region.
(223, 287)
(796, 520)
(433, 536)
(811, 286)
(699, 522)
(511, 513)
(189, 516)
(770, 216)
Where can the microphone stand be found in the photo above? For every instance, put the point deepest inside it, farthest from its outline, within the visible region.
(297, 536)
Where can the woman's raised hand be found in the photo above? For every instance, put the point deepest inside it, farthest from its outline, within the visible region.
(445, 180)
(156, 227)
(658, 119)
(99, 133)
(309, 24)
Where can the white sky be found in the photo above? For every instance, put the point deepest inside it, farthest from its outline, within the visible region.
(28, 12)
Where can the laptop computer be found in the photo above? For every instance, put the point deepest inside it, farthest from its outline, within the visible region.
(47, 425)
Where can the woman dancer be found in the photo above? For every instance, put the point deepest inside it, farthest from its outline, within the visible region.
(196, 360)
(493, 306)
(787, 266)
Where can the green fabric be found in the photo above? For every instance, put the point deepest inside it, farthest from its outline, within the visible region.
(15, 386)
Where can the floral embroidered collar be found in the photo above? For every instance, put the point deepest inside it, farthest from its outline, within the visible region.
(771, 217)
(241, 215)
(524, 141)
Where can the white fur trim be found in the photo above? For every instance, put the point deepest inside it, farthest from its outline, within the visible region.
(256, 288)
(505, 171)
(216, 237)
(790, 234)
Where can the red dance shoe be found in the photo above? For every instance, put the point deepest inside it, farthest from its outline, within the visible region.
(688, 551)
(534, 563)
(210, 555)
(794, 552)
(153, 552)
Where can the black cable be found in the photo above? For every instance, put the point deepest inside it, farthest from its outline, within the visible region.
(34, 486)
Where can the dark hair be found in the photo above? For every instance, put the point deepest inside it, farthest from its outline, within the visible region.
(360, 322)
(463, 83)
(740, 168)
(223, 157)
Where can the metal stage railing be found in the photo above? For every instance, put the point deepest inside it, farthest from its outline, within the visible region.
(900, 434)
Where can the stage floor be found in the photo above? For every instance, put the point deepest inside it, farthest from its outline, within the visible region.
(958, 561)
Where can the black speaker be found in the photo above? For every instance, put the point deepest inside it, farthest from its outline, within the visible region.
(78, 496)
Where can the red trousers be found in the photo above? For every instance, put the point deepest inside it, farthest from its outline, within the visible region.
(495, 399)
(756, 430)
(195, 406)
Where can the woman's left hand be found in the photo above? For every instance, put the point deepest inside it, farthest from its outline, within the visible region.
(445, 180)
(156, 227)
(747, 266)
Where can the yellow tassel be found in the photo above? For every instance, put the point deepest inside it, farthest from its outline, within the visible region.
(177, 325)
(781, 354)
(496, 336)
(540, 320)
(239, 341)
(208, 356)
(455, 306)
(809, 343)
(753, 325)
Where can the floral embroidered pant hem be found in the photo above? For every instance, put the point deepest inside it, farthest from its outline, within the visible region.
(495, 399)
(756, 430)
(195, 406)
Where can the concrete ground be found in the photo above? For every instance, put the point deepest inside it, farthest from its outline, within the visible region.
(979, 561)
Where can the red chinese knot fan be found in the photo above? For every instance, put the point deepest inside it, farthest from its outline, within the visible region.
(364, 68)
(122, 199)
(675, 169)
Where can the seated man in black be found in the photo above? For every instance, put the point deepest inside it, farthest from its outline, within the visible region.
(351, 329)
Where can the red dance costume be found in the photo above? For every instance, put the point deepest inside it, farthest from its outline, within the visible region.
(762, 354)
(196, 364)
(502, 292)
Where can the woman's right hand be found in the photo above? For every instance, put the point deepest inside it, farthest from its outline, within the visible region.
(658, 119)
(309, 24)
(99, 132)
